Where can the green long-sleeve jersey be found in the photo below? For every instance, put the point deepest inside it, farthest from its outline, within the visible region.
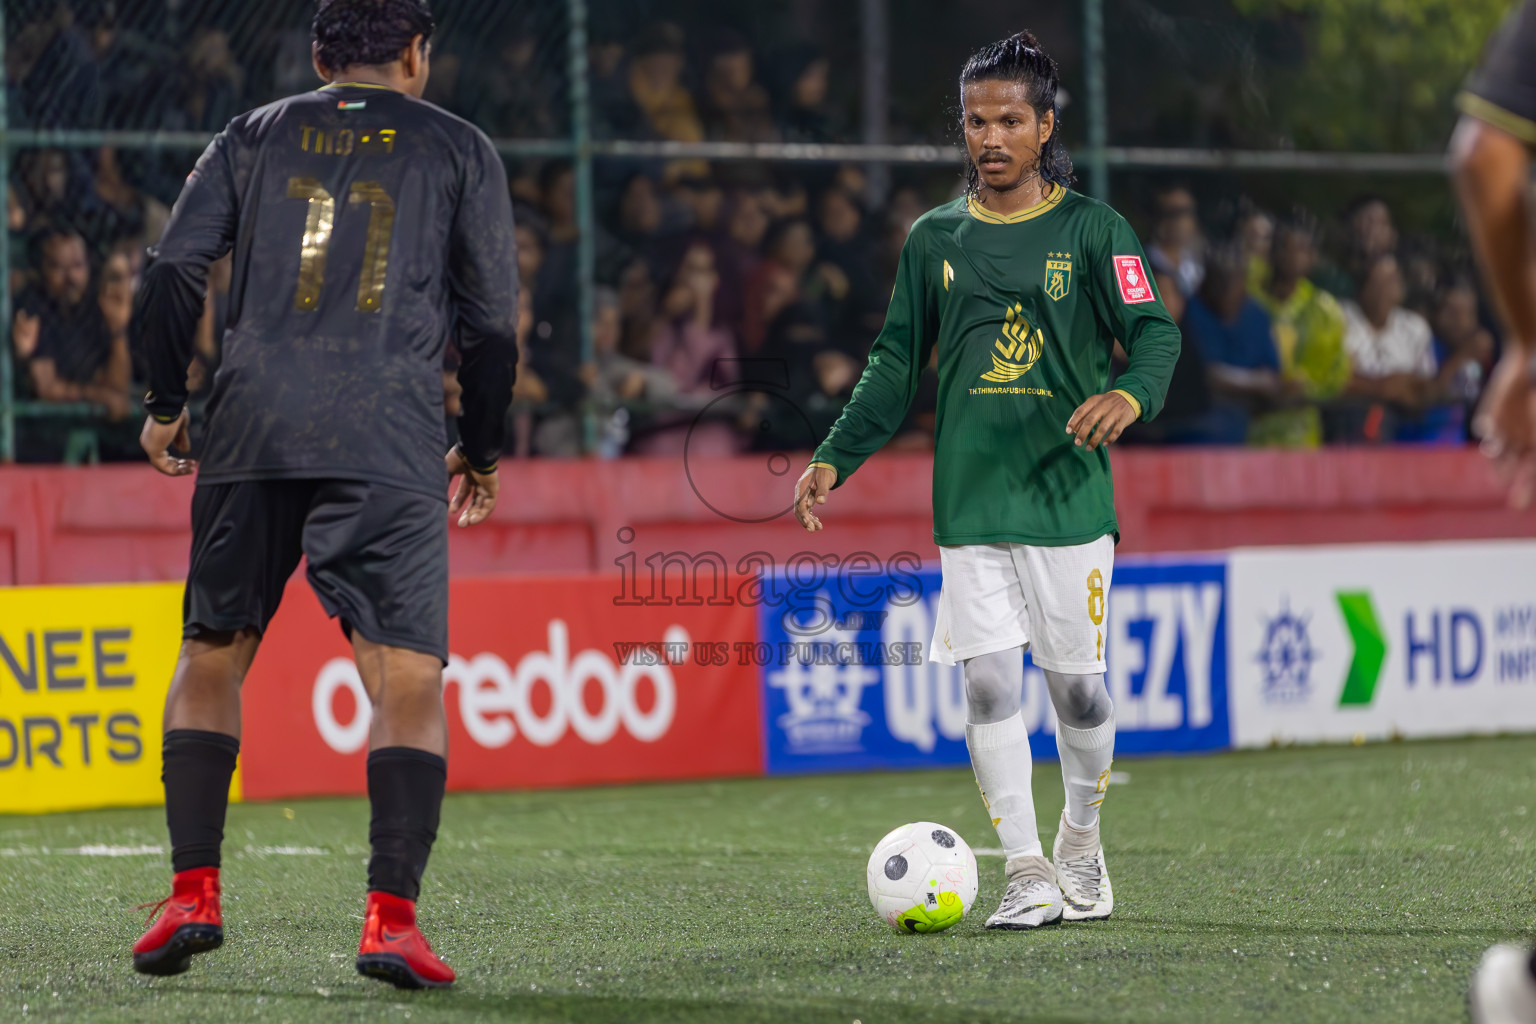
(1024, 310)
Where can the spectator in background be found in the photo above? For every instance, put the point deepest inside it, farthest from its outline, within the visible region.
(637, 309)
(736, 107)
(804, 84)
(1232, 333)
(527, 389)
(529, 235)
(784, 197)
(738, 255)
(136, 92)
(512, 95)
(1463, 346)
(1368, 233)
(1255, 235)
(614, 113)
(702, 198)
(1371, 230)
(16, 238)
(557, 194)
(552, 353)
(55, 191)
(1464, 353)
(51, 78)
(1420, 259)
(697, 352)
(212, 85)
(62, 336)
(640, 219)
(1187, 416)
(134, 215)
(1177, 247)
(656, 88)
(846, 249)
(1390, 348)
(614, 380)
(1308, 329)
(789, 252)
(819, 374)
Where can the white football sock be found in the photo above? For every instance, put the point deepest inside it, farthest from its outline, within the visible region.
(1000, 758)
(1085, 758)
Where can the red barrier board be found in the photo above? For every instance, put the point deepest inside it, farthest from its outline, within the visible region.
(541, 690)
(121, 523)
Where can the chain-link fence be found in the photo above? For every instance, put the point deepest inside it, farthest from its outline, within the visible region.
(797, 138)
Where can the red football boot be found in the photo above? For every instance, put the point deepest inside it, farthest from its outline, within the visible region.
(394, 950)
(191, 924)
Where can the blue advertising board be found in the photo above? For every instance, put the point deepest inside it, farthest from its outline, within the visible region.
(847, 684)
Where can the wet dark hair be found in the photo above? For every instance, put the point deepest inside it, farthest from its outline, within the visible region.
(353, 33)
(1020, 59)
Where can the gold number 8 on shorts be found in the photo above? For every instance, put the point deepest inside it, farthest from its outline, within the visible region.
(1096, 597)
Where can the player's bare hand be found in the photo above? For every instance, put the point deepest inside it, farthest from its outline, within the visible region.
(1506, 422)
(158, 439)
(811, 490)
(474, 499)
(1101, 420)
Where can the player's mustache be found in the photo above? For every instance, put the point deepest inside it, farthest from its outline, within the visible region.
(995, 156)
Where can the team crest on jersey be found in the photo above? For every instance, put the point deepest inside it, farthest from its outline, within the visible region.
(1017, 350)
(949, 274)
(1058, 275)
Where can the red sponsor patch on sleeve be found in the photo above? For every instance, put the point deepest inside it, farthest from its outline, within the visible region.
(1134, 285)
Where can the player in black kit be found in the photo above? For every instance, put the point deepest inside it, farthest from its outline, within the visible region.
(368, 229)
(1491, 155)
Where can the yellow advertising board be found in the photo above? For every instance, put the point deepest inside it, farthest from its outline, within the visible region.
(83, 677)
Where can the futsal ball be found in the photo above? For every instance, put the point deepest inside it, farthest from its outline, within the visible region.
(922, 878)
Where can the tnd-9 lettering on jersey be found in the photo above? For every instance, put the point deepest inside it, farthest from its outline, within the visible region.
(345, 141)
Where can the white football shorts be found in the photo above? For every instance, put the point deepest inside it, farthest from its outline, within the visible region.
(1053, 600)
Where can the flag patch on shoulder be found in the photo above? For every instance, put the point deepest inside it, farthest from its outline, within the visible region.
(351, 105)
(1134, 286)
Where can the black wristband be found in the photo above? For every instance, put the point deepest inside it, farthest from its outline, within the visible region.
(161, 410)
(459, 447)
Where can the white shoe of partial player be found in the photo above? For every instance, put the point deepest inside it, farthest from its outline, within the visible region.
(1079, 858)
(1503, 991)
(1028, 903)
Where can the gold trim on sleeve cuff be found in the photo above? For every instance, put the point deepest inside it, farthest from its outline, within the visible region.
(1129, 398)
(1473, 105)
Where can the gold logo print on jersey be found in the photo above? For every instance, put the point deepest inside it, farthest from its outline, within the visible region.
(1058, 275)
(949, 274)
(1018, 347)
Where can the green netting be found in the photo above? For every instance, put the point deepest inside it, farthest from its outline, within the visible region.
(686, 110)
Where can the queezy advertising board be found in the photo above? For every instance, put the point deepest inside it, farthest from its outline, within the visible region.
(849, 684)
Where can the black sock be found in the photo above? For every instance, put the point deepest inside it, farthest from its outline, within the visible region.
(196, 770)
(1531, 967)
(405, 787)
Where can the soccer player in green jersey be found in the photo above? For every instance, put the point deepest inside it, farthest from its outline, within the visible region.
(1023, 286)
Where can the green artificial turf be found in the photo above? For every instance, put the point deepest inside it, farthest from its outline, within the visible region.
(1331, 884)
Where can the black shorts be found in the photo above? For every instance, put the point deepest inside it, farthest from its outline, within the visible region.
(378, 558)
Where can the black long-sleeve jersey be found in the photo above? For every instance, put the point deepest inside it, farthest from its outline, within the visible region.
(1502, 91)
(369, 229)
